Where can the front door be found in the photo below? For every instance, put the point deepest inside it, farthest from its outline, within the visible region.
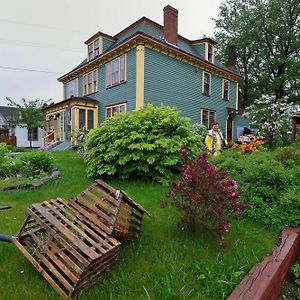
(229, 129)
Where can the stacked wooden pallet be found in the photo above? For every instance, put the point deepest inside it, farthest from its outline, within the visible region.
(71, 243)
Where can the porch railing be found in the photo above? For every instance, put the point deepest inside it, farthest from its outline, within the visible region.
(48, 139)
(9, 140)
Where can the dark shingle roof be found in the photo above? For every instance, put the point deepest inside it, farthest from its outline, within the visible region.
(8, 111)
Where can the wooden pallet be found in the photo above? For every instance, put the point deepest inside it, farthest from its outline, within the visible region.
(119, 213)
(68, 247)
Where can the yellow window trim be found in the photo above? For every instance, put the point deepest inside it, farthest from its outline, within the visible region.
(203, 74)
(100, 42)
(119, 72)
(208, 110)
(114, 105)
(83, 82)
(213, 52)
(223, 84)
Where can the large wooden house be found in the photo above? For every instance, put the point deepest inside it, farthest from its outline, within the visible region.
(149, 63)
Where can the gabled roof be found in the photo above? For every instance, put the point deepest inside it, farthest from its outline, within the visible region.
(8, 111)
(150, 30)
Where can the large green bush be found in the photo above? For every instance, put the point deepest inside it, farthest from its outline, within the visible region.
(141, 143)
(33, 164)
(270, 181)
(6, 166)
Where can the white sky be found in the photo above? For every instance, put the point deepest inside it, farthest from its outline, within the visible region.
(49, 36)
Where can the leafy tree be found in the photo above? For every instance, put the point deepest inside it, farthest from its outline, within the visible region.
(267, 37)
(270, 116)
(30, 114)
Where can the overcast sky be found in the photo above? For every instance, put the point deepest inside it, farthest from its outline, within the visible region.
(49, 36)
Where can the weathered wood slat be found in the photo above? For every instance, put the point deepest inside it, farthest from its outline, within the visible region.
(76, 229)
(58, 289)
(73, 238)
(83, 261)
(93, 218)
(55, 259)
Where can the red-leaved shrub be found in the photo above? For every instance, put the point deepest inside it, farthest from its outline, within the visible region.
(204, 194)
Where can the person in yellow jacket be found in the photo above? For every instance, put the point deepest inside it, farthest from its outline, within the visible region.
(215, 141)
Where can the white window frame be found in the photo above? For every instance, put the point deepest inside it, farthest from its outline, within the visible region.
(203, 80)
(90, 82)
(209, 111)
(110, 109)
(118, 62)
(224, 81)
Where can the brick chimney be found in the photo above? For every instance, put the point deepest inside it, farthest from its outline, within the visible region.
(232, 58)
(171, 24)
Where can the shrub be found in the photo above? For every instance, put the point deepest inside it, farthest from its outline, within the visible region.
(296, 273)
(79, 140)
(288, 156)
(204, 194)
(6, 165)
(32, 164)
(140, 143)
(269, 187)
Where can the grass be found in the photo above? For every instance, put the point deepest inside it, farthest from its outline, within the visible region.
(164, 263)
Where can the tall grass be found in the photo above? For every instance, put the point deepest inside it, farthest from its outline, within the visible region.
(164, 263)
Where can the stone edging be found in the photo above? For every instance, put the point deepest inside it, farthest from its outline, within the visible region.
(265, 280)
(55, 174)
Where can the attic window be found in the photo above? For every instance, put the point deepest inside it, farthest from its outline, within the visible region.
(93, 49)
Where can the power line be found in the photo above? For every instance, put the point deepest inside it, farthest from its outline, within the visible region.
(29, 70)
(40, 25)
(35, 45)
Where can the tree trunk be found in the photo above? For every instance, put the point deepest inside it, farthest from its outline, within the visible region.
(271, 137)
(30, 138)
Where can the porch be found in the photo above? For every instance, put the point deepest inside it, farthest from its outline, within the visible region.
(68, 115)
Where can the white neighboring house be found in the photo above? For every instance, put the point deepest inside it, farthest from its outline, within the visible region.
(8, 130)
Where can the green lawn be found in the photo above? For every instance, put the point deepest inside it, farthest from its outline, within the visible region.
(164, 263)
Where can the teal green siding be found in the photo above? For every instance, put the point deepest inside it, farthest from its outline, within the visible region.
(106, 44)
(175, 83)
(124, 92)
(200, 49)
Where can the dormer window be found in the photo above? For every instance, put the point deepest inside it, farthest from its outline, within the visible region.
(93, 49)
(210, 53)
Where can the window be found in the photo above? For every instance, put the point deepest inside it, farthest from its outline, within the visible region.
(206, 84)
(90, 119)
(210, 53)
(115, 71)
(208, 117)
(225, 90)
(81, 118)
(90, 82)
(115, 109)
(72, 89)
(34, 134)
(93, 49)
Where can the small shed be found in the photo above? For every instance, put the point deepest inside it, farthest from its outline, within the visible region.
(71, 243)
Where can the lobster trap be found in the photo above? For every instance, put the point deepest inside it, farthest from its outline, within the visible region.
(71, 243)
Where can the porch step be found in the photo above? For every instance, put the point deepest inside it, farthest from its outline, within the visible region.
(62, 146)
